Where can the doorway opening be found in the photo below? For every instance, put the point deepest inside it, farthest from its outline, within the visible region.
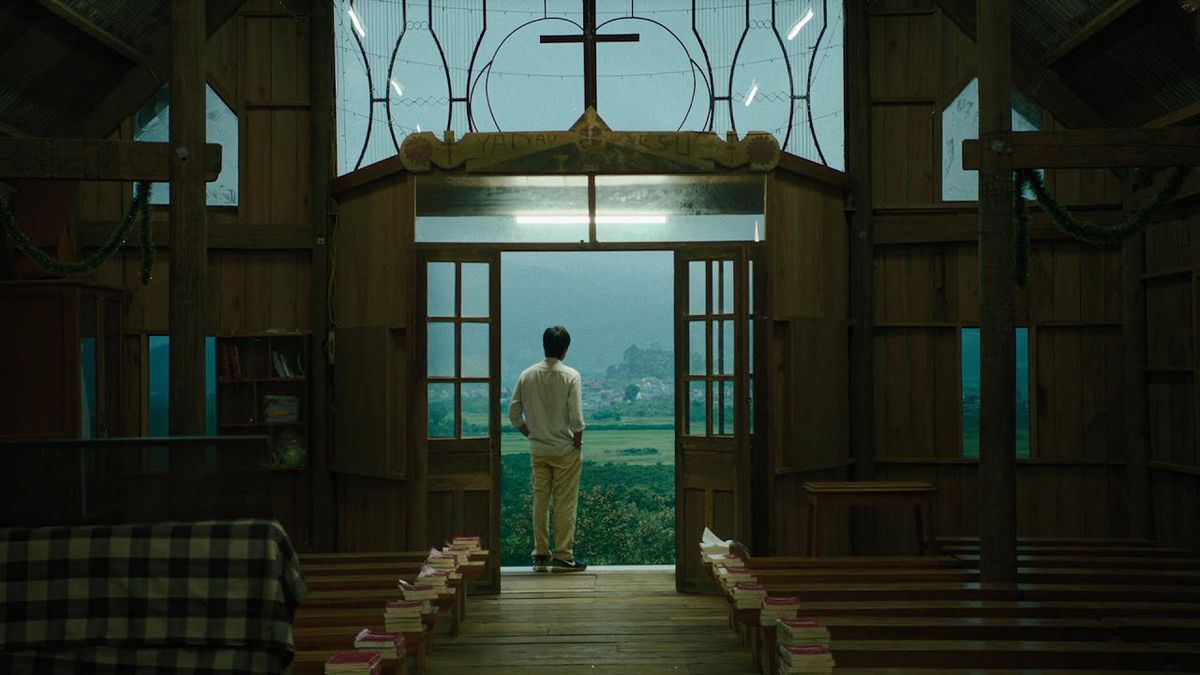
(619, 309)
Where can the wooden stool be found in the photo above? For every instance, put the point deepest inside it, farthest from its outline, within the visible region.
(872, 493)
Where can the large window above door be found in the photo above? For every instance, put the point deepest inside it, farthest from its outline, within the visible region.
(406, 66)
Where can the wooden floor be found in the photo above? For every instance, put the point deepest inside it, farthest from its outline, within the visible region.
(597, 622)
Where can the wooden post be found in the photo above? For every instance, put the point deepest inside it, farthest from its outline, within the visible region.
(189, 231)
(1137, 422)
(862, 258)
(323, 495)
(997, 291)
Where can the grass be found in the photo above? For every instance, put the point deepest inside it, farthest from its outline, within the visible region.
(610, 445)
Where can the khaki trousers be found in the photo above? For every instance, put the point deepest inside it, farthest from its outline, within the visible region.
(556, 479)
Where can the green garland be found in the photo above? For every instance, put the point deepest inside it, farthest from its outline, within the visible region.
(139, 211)
(1082, 230)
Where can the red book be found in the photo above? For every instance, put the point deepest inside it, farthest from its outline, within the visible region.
(459, 537)
(415, 587)
(802, 623)
(782, 602)
(368, 635)
(404, 604)
(737, 570)
(743, 586)
(353, 662)
(806, 650)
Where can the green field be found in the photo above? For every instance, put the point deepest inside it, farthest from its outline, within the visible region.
(611, 445)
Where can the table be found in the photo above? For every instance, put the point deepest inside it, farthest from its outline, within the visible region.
(872, 493)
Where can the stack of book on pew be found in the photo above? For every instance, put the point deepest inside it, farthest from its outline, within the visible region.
(403, 616)
(808, 660)
(748, 595)
(441, 561)
(436, 578)
(471, 544)
(426, 593)
(801, 633)
(711, 543)
(776, 608)
(729, 576)
(719, 560)
(388, 645)
(354, 662)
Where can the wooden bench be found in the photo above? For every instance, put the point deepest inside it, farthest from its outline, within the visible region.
(872, 493)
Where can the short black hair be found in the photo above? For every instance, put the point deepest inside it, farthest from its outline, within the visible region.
(555, 341)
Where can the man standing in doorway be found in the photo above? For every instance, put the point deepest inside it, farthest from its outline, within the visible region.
(547, 407)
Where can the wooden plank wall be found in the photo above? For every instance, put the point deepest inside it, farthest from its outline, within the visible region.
(1172, 288)
(808, 355)
(258, 63)
(926, 289)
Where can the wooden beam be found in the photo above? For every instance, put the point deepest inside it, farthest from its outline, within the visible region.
(1033, 79)
(939, 225)
(321, 121)
(93, 159)
(997, 301)
(1097, 148)
(225, 232)
(1102, 20)
(864, 525)
(187, 317)
(94, 30)
(140, 83)
(1187, 113)
(9, 130)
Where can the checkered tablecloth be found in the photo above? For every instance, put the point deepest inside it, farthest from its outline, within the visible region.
(210, 596)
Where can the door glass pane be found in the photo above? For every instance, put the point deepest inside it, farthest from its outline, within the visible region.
(697, 409)
(475, 289)
(726, 286)
(441, 410)
(475, 352)
(697, 283)
(697, 348)
(441, 349)
(750, 403)
(727, 402)
(723, 347)
(750, 343)
(440, 298)
(476, 406)
(750, 289)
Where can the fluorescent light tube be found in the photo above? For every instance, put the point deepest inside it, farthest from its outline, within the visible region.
(396, 86)
(578, 219)
(800, 23)
(750, 96)
(562, 219)
(646, 219)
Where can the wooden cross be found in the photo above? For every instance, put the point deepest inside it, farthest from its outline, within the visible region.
(589, 38)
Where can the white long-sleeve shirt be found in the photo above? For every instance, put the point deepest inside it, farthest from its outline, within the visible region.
(548, 400)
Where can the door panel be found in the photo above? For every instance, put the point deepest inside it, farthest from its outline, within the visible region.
(460, 391)
(712, 334)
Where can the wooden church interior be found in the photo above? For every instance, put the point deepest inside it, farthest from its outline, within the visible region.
(1069, 542)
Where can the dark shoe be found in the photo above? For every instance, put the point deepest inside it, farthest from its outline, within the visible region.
(540, 563)
(560, 565)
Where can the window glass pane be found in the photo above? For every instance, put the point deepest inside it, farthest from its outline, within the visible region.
(750, 401)
(476, 406)
(960, 121)
(751, 309)
(677, 208)
(475, 350)
(723, 408)
(158, 381)
(723, 341)
(697, 348)
(440, 296)
(441, 410)
(152, 123)
(476, 289)
(697, 409)
(971, 392)
(697, 287)
(87, 383)
(750, 344)
(502, 209)
(727, 305)
(440, 349)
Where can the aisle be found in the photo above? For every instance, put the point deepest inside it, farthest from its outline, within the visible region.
(603, 622)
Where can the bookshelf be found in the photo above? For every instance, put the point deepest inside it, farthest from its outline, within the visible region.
(262, 387)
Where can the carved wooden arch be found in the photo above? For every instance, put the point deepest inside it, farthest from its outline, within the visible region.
(591, 147)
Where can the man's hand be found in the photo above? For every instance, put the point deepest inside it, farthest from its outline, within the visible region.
(524, 429)
(577, 440)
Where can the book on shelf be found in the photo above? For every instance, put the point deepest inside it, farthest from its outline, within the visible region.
(804, 659)
(281, 409)
(229, 365)
(801, 631)
(775, 608)
(354, 662)
(387, 645)
(280, 366)
(748, 595)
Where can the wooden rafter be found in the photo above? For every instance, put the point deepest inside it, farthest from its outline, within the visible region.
(140, 83)
(1029, 75)
(1178, 116)
(92, 159)
(96, 31)
(1102, 20)
(1097, 148)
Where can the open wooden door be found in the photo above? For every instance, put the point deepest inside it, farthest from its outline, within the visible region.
(460, 428)
(713, 310)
